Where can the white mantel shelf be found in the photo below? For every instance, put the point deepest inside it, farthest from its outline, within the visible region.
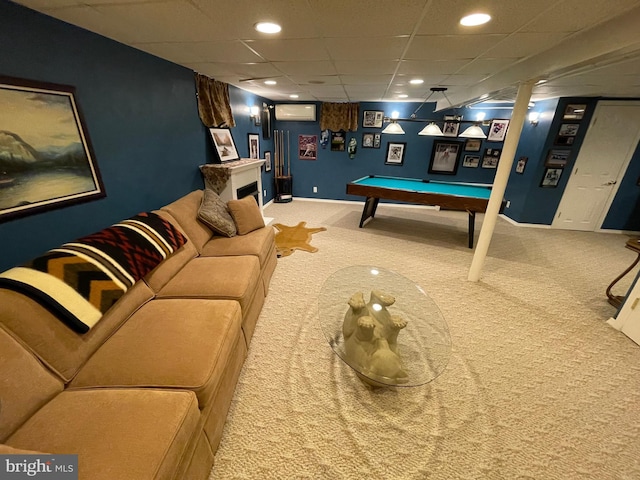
(240, 173)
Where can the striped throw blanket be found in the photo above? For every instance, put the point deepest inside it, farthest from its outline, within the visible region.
(81, 280)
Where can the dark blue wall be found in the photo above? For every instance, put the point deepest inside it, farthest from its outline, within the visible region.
(141, 115)
(241, 102)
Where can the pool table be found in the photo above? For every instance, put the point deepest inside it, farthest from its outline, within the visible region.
(467, 197)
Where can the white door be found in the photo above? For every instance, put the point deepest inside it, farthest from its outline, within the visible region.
(602, 161)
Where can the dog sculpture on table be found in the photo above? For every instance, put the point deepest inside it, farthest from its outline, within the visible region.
(371, 334)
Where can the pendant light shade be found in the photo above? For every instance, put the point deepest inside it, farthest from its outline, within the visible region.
(474, 131)
(394, 128)
(431, 130)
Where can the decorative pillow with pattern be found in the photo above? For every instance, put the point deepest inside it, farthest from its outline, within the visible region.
(213, 212)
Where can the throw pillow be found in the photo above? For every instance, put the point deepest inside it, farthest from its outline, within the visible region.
(246, 214)
(214, 214)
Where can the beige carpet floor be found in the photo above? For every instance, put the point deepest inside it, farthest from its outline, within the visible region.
(538, 385)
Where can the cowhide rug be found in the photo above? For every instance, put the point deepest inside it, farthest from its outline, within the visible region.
(289, 239)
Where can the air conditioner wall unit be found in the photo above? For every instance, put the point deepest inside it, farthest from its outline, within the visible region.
(296, 112)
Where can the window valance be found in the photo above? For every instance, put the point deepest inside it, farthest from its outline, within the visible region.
(214, 106)
(339, 116)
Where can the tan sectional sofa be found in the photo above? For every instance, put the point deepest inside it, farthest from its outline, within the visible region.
(144, 394)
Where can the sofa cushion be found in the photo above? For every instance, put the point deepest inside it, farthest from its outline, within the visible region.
(57, 346)
(185, 211)
(231, 278)
(177, 343)
(246, 214)
(117, 433)
(260, 243)
(25, 386)
(214, 213)
(81, 280)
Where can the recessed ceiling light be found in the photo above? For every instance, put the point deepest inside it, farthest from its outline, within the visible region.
(293, 96)
(403, 95)
(270, 82)
(475, 19)
(416, 81)
(268, 27)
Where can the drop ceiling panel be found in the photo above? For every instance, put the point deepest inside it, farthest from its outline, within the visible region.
(370, 49)
(316, 79)
(236, 18)
(306, 68)
(359, 40)
(576, 15)
(170, 21)
(486, 66)
(430, 67)
(443, 16)
(365, 79)
(524, 44)
(278, 50)
(367, 67)
(366, 18)
(240, 70)
(223, 52)
(96, 21)
(446, 47)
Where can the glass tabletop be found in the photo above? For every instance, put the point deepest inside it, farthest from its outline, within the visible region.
(384, 326)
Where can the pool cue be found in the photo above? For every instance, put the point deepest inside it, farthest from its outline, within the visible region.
(289, 153)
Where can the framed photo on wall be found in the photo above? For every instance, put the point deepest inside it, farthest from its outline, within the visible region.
(223, 141)
(338, 141)
(267, 161)
(451, 125)
(307, 147)
(498, 130)
(395, 153)
(567, 134)
(377, 140)
(444, 157)
(557, 158)
(472, 145)
(491, 157)
(46, 160)
(367, 140)
(574, 111)
(372, 118)
(254, 145)
(551, 177)
(471, 161)
(521, 164)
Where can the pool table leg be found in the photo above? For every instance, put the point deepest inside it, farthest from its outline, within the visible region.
(472, 226)
(369, 210)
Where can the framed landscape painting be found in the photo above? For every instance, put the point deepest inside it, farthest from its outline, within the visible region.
(46, 157)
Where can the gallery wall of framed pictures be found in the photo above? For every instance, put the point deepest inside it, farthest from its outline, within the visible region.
(559, 156)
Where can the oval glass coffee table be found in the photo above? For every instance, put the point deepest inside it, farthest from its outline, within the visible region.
(384, 326)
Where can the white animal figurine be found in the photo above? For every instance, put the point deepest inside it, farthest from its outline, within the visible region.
(371, 334)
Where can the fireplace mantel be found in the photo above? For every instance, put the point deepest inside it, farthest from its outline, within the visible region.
(226, 178)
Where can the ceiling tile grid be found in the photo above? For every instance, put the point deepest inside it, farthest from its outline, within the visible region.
(363, 50)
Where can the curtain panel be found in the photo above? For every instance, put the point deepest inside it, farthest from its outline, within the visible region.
(214, 106)
(339, 116)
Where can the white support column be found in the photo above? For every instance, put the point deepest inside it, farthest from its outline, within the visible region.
(502, 176)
